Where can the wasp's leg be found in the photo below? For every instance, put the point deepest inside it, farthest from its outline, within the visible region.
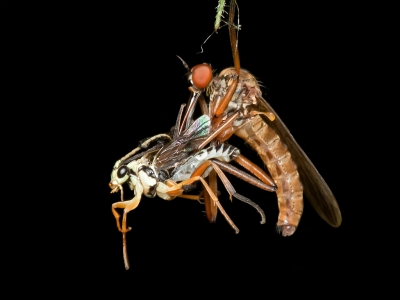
(121, 204)
(127, 206)
(172, 191)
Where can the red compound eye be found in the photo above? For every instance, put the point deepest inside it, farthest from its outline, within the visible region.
(201, 76)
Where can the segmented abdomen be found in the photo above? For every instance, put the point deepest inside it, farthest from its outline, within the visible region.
(282, 169)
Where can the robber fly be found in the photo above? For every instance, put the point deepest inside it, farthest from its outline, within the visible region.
(170, 165)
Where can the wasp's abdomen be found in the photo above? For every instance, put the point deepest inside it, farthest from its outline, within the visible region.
(282, 169)
(223, 152)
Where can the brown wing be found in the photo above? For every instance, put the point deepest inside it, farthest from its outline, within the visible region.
(315, 187)
(184, 144)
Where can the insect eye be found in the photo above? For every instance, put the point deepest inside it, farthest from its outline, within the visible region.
(201, 76)
(122, 171)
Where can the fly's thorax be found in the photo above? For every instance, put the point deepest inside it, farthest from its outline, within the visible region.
(245, 94)
(244, 99)
(245, 77)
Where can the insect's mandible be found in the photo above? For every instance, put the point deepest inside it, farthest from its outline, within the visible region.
(173, 163)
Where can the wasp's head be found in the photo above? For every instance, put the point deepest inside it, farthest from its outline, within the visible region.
(137, 172)
(119, 175)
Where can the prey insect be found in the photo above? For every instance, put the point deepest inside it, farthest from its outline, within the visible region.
(170, 164)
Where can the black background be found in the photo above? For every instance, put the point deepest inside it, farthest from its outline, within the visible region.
(124, 83)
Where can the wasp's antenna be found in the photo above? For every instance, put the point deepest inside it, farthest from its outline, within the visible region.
(184, 63)
(144, 145)
(130, 153)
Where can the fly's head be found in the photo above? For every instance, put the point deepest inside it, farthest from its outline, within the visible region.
(200, 76)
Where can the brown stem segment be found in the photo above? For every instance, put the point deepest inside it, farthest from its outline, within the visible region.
(232, 36)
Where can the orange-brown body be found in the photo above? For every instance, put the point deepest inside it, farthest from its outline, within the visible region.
(251, 127)
(282, 169)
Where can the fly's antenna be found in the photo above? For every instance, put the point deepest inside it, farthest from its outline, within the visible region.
(184, 63)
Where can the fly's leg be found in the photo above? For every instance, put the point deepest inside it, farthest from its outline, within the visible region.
(192, 197)
(227, 98)
(220, 130)
(245, 176)
(211, 208)
(172, 191)
(255, 170)
(232, 192)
